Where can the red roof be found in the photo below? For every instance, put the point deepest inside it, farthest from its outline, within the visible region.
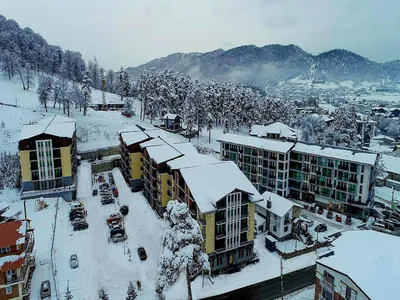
(13, 265)
(9, 233)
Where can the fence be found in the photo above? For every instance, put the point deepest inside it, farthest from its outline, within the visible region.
(54, 270)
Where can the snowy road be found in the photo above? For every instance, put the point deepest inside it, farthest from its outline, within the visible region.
(103, 264)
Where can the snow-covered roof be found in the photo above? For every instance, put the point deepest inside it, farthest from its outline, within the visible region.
(256, 142)
(326, 118)
(370, 259)
(11, 262)
(3, 205)
(392, 164)
(133, 137)
(169, 116)
(12, 233)
(130, 128)
(185, 148)
(383, 137)
(187, 161)
(346, 154)
(210, 183)
(156, 133)
(153, 142)
(279, 205)
(259, 219)
(163, 153)
(276, 128)
(58, 126)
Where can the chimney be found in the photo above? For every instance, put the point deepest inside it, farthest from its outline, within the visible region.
(269, 203)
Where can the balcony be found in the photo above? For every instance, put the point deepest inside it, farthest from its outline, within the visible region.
(343, 167)
(325, 284)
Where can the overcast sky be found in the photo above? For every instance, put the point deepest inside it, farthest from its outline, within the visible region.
(132, 32)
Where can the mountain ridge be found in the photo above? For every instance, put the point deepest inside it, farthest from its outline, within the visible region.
(273, 63)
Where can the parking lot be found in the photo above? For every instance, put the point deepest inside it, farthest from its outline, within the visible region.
(103, 263)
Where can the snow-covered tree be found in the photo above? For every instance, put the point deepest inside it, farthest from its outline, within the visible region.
(94, 70)
(61, 93)
(28, 76)
(128, 107)
(103, 294)
(44, 90)
(190, 111)
(110, 84)
(131, 293)
(76, 96)
(345, 124)
(181, 247)
(124, 85)
(9, 170)
(87, 91)
(312, 128)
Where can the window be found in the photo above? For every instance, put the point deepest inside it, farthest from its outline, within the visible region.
(5, 250)
(286, 228)
(241, 252)
(249, 250)
(275, 217)
(219, 260)
(281, 157)
(8, 290)
(274, 228)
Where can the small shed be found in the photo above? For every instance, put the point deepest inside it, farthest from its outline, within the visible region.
(171, 121)
(270, 242)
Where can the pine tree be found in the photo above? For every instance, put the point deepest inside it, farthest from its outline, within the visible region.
(131, 294)
(345, 123)
(87, 91)
(110, 84)
(124, 86)
(28, 76)
(103, 294)
(181, 248)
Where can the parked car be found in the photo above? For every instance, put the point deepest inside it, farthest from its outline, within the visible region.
(312, 208)
(113, 223)
(76, 215)
(73, 261)
(110, 175)
(115, 192)
(81, 226)
(136, 189)
(95, 192)
(104, 186)
(142, 253)
(106, 201)
(115, 215)
(116, 230)
(124, 210)
(320, 210)
(118, 238)
(348, 220)
(92, 159)
(329, 214)
(338, 218)
(45, 290)
(77, 220)
(111, 180)
(321, 228)
(306, 220)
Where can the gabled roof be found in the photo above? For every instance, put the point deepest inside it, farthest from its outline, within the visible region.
(12, 233)
(347, 154)
(256, 142)
(275, 128)
(134, 137)
(130, 128)
(170, 116)
(167, 152)
(3, 205)
(370, 259)
(189, 160)
(210, 183)
(392, 163)
(57, 126)
(279, 205)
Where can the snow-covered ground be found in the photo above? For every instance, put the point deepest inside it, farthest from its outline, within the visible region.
(268, 267)
(304, 294)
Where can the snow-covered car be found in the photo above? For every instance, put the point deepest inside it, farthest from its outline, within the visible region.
(118, 238)
(142, 253)
(73, 261)
(81, 226)
(107, 201)
(115, 215)
(45, 290)
(113, 224)
(77, 220)
(306, 220)
(116, 230)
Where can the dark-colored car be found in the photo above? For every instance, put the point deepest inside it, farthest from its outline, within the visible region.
(338, 218)
(348, 220)
(111, 180)
(329, 214)
(45, 290)
(81, 226)
(312, 208)
(106, 201)
(142, 253)
(320, 210)
(321, 228)
(116, 230)
(124, 210)
(110, 175)
(104, 186)
(99, 157)
(95, 192)
(92, 159)
(76, 215)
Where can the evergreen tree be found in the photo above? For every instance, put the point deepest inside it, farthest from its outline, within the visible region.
(345, 123)
(124, 86)
(110, 81)
(131, 294)
(87, 91)
(28, 76)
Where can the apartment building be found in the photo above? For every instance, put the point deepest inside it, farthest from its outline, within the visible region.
(265, 162)
(17, 261)
(47, 151)
(222, 200)
(361, 266)
(341, 178)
